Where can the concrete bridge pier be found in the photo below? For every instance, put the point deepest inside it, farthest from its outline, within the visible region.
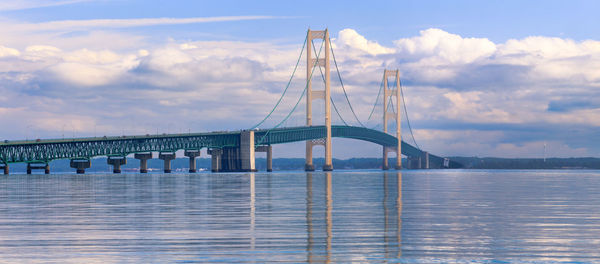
(192, 154)
(385, 161)
(235, 159)
(446, 163)
(269, 150)
(270, 159)
(419, 162)
(247, 154)
(231, 160)
(5, 168)
(143, 157)
(309, 167)
(167, 157)
(33, 166)
(413, 162)
(81, 165)
(385, 165)
(215, 162)
(116, 162)
(398, 165)
(425, 160)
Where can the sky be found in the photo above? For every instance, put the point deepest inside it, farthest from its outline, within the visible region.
(480, 78)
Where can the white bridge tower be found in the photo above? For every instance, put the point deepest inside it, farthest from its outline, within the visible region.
(387, 114)
(322, 94)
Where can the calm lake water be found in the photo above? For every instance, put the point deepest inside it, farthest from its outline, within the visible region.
(433, 216)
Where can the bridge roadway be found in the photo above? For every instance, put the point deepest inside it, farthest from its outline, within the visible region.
(44, 151)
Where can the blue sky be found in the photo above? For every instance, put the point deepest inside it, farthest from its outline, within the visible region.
(482, 78)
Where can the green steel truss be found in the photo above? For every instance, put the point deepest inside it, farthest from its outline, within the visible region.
(34, 151)
(85, 148)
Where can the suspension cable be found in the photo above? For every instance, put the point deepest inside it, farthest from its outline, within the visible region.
(305, 88)
(297, 102)
(408, 120)
(391, 104)
(286, 87)
(341, 82)
(338, 113)
(376, 99)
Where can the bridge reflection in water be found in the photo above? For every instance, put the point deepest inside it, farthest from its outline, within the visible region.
(320, 243)
(351, 216)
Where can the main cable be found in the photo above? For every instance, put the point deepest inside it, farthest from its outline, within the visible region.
(377, 99)
(407, 119)
(342, 83)
(297, 102)
(286, 87)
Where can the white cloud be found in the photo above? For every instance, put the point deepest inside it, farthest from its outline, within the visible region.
(350, 38)
(469, 106)
(41, 52)
(449, 79)
(8, 52)
(80, 74)
(436, 46)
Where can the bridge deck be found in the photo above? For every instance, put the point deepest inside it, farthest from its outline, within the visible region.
(76, 148)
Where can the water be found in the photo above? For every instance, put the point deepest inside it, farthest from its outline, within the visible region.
(361, 216)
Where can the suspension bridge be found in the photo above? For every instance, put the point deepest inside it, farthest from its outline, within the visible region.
(235, 150)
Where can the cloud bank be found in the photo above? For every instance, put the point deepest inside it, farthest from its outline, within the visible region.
(465, 95)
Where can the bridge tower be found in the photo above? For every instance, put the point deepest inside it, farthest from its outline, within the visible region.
(313, 95)
(387, 114)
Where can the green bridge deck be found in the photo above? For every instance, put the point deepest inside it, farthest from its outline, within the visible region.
(43, 151)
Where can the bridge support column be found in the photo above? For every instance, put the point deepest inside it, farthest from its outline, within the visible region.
(269, 159)
(167, 157)
(425, 160)
(413, 162)
(143, 157)
(5, 168)
(384, 165)
(33, 166)
(116, 162)
(247, 155)
(309, 166)
(446, 163)
(192, 154)
(215, 161)
(81, 165)
(269, 150)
